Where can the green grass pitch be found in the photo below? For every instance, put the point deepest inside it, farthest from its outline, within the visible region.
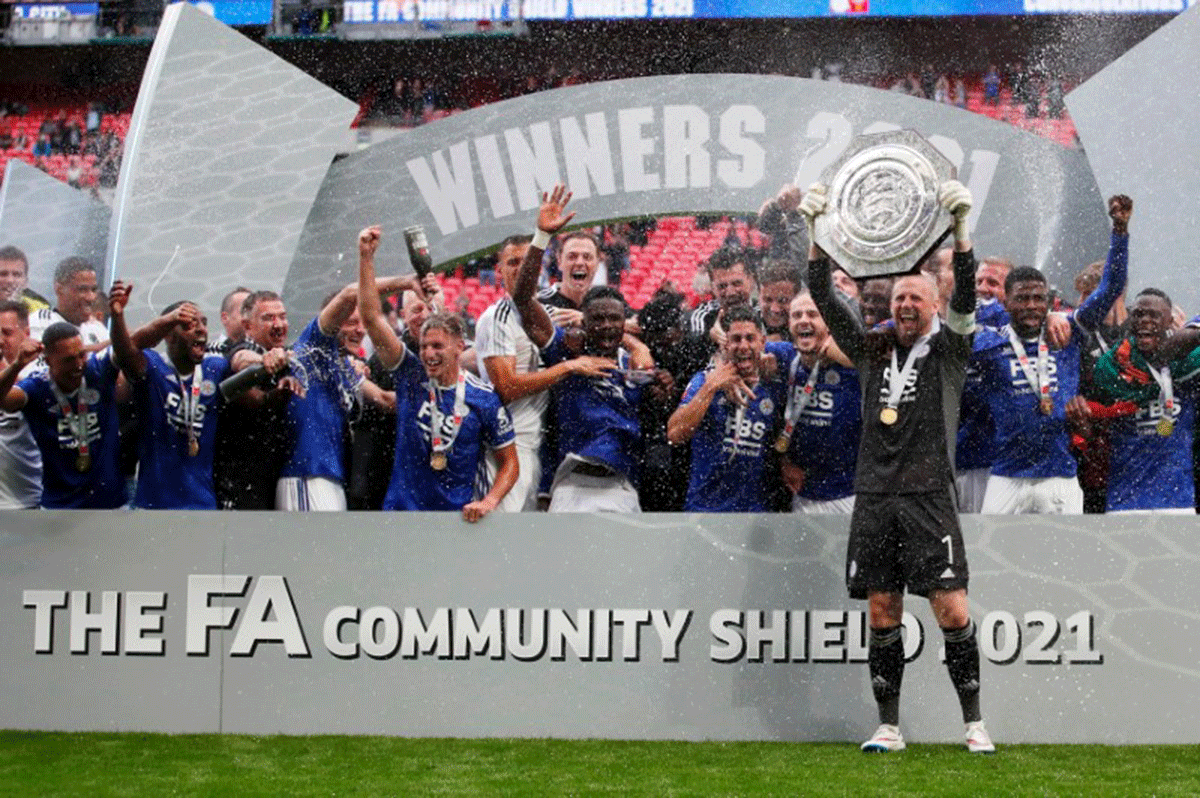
(236, 766)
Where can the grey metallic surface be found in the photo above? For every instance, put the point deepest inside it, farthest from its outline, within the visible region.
(49, 220)
(1035, 575)
(226, 148)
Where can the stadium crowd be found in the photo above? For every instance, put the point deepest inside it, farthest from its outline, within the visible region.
(568, 399)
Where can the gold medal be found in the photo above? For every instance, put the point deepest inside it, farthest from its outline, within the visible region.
(1165, 427)
(193, 447)
(888, 415)
(1047, 405)
(437, 461)
(83, 462)
(781, 443)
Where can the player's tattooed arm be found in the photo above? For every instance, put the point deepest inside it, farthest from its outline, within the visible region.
(686, 419)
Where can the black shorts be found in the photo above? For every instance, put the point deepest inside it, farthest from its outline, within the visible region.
(906, 540)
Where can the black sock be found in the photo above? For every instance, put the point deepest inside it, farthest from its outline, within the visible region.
(962, 660)
(885, 660)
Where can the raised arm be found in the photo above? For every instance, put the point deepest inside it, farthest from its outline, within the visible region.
(550, 220)
(845, 325)
(960, 315)
(1113, 279)
(370, 307)
(131, 360)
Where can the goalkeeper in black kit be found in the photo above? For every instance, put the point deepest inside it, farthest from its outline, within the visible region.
(904, 532)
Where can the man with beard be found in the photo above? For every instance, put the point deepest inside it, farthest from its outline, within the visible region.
(177, 401)
(445, 417)
(822, 417)
(733, 274)
(904, 531)
(1031, 388)
(1149, 377)
(730, 415)
(665, 467)
(599, 438)
(780, 282)
(72, 410)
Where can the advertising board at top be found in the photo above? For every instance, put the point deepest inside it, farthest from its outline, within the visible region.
(390, 11)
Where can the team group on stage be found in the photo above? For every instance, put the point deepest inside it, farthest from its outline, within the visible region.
(903, 401)
(567, 399)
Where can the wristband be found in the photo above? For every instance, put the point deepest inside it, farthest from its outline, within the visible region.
(541, 240)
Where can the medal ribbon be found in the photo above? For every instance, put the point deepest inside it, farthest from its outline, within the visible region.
(898, 377)
(76, 421)
(1167, 387)
(798, 401)
(439, 443)
(190, 402)
(1039, 381)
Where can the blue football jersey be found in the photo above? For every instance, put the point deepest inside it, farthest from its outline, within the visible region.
(101, 486)
(317, 419)
(826, 436)
(1028, 443)
(729, 455)
(1149, 471)
(169, 477)
(597, 417)
(415, 484)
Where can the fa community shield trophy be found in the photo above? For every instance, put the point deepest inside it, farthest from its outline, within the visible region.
(883, 215)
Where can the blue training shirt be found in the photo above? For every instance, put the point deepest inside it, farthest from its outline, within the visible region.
(102, 486)
(415, 485)
(169, 478)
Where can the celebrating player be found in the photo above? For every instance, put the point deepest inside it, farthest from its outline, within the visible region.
(1028, 385)
(1151, 378)
(444, 416)
(599, 436)
(177, 400)
(822, 419)
(904, 531)
(72, 410)
(730, 415)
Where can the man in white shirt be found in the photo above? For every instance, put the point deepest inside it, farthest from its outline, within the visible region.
(512, 366)
(75, 292)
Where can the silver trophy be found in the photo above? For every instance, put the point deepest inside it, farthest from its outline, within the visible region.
(883, 215)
